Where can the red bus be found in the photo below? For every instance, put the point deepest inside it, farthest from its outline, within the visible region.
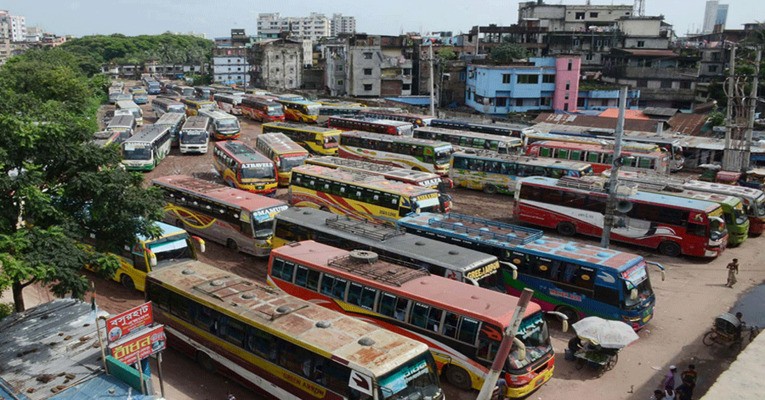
(375, 125)
(414, 119)
(462, 324)
(640, 156)
(262, 108)
(671, 224)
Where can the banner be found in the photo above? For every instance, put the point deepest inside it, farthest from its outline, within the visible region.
(131, 320)
(139, 345)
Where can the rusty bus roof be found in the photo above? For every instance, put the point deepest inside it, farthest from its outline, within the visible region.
(370, 167)
(367, 180)
(473, 301)
(291, 318)
(219, 193)
(395, 138)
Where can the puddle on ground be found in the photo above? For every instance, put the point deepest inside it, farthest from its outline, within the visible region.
(752, 305)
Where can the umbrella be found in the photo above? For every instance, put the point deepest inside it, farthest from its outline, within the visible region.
(607, 333)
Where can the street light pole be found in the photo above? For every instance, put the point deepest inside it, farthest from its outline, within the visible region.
(613, 179)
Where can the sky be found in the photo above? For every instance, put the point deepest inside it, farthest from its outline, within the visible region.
(215, 18)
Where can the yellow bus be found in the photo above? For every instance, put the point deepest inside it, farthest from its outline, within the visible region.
(285, 153)
(299, 110)
(242, 167)
(172, 247)
(194, 105)
(315, 139)
(283, 347)
(358, 195)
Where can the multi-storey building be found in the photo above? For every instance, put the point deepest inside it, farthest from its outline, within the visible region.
(313, 27)
(715, 16)
(342, 24)
(230, 66)
(277, 64)
(18, 28)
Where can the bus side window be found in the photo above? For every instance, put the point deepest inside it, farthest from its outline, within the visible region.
(419, 315)
(301, 276)
(206, 319)
(261, 343)
(179, 307)
(368, 296)
(283, 269)
(232, 331)
(387, 306)
(434, 319)
(451, 322)
(313, 280)
(354, 294)
(327, 281)
(468, 331)
(139, 262)
(338, 290)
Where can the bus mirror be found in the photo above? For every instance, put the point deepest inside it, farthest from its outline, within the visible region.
(152, 258)
(663, 275)
(201, 243)
(521, 348)
(471, 281)
(633, 294)
(564, 325)
(512, 267)
(660, 267)
(563, 319)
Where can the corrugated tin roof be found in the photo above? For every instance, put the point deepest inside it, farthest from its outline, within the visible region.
(660, 111)
(411, 100)
(590, 121)
(688, 124)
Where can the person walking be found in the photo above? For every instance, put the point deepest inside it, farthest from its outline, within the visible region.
(688, 378)
(669, 380)
(732, 272)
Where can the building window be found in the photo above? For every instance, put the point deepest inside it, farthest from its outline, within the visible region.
(506, 78)
(685, 85)
(367, 55)
(566, 97)
(593, 15)
(576, 42)
(712, 68)
(580, 102)
(367, 87)
(666, 84)
(407, 71)
(548, 78)
(641, 83)
(339, 67)
(588, 57)
(529, 79)
(565, 107)
(367, 71)
(501, 101)
(641, 43)
(570, 65)
(568, 85)
(406, 86)
(579, 15)
(340, 82)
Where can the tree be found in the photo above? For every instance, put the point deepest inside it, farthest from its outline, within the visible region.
(446, 54)
(58, 190)
(506, 53)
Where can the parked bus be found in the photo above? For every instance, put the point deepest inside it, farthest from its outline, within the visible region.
(183, 91)
(175, 121)
(228, 103)
(462, 325)
(572, 278)
(203, 92)
(163, 105)
(262, 108)
(195, 135)
(403, 152)
(225, 126)
(114, 93)
(465, 265)
(283, 347)
(300, 110)
(414, 119)
(638, 156)
(419, 178)
(497, 173)
(237, 219)
(667, 144)
(194, 105)
(361, 196)
(129, 105)
(124, 124)
(753, 199)
(172, 247)
(105, 138)
(144, 150)
(513, 130)
(315, 139)
(388, 127)
(153, 86)
(673, 225)
(240, 166)
(339, 107)
(140, 96)
(467, 139)
(285, 153)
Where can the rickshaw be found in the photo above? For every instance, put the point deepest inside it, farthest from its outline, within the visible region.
(598, 342)
(728, 330)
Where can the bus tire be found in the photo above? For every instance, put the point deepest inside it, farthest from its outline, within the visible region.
(566, 229)
(570, 313)
(205, 362)
(127, 282)
(489, 189)
(231, 244)
(458, 377)
(670, 249)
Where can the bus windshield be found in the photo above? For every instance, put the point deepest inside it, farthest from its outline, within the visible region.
(171, 250)
(286, 163)
(257, 171)
(275, 111)
(443, 155)
(717, 228)
(331, 141)
(637, 278)
(739, 214)
(427, 204)
(194, 137)
(534, 334)
(417, 377)
(228, 123)
(313, 109)
(759, 206)
(136, 152)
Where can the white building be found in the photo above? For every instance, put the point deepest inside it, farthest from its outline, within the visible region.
(230, 66)
(343, 24)
(313, 27)
(18, 28)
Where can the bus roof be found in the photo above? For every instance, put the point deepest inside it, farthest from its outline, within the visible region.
(301, 127)
(192, 100)
(366, 166)
(216, 114)
(373, 236)
(148, 134)
(528, 160)
(708, 196)
(170, 118)
(303, 102)
(280, 143)
(121, 121)
(370, 119)
(597, 140)
(507, 236)
(166, 100)
(367, 180)
(739, 191)
(126, 104)
(229, 196)
(473, 301)
(458, 132)
(632, 147)
(242, 153)
(396, 139)
(295, 319)
(647, 197)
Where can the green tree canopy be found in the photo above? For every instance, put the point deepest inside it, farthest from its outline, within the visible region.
(446, 53)
(57, 189)
(507, 52)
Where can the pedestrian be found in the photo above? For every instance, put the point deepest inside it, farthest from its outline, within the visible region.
(689, 377)
(684, 391)
(732, 272)
(669, 380)
(658, 395)
(669, 394)
(501, 389)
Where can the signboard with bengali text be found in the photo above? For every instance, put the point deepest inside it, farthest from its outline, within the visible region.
(131, 320)
(139, 345)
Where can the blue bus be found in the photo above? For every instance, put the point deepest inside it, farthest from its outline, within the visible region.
(574, 279)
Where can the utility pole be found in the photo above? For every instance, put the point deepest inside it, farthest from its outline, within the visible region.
(432, 83)
(729, 125)
(613, 179)
(746, 162)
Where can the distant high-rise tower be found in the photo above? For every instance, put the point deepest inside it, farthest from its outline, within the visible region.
(715, 16)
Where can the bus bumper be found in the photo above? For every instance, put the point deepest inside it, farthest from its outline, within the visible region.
(534, 384)
(735, 239)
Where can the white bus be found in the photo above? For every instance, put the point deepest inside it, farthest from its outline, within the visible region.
(195, 135)
(228, 103)
(162, 105)
(133, 108)
(225, 125)
(175, 122)
(124, 124)
(147, 148)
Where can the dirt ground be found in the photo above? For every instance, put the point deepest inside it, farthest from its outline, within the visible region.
(687, 302)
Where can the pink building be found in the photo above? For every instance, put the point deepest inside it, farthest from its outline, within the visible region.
(567, 72)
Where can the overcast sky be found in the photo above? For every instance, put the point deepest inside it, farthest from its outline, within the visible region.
(215, 18)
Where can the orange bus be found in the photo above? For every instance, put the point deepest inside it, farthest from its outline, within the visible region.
(262, 108)
(462, 324)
